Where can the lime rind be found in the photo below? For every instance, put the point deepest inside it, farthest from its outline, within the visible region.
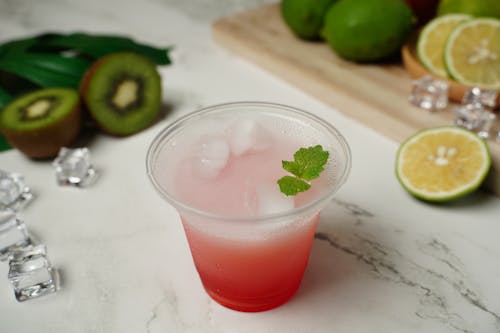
(443, 196)
(448, 59)
(423, 37)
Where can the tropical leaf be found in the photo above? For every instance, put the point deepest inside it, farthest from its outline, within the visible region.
(4, 145)
(41, 76)
(5, 98)
(60, 60)
(97, 46)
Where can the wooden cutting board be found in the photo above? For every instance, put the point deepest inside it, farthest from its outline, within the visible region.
(375, 95)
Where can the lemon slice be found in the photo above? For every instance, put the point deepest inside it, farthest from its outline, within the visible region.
(432, 41)
(472, 53)
(442, 163)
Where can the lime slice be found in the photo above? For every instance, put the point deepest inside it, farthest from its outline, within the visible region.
(472, 53)
(442, 163)
(432, 41)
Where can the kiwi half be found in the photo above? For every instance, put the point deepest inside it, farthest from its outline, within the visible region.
(122, 92)
(41, 122)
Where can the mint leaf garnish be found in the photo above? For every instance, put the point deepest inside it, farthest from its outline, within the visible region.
(290, 185)
(308, 164)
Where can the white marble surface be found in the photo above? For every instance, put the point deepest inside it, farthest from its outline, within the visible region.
(381, 260)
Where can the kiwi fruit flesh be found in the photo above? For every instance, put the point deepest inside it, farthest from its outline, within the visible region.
(41, 122)
(122, 93)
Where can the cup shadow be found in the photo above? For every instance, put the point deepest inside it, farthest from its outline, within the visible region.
(338, 255)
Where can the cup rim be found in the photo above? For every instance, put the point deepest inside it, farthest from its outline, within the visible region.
(319, 202)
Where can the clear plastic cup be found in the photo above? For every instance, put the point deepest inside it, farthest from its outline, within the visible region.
(249, 263)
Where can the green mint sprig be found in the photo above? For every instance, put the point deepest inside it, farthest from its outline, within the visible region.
(307, 165)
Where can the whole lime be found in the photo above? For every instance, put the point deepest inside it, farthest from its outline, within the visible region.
(485, 8)
(305, 17)
(367, 30)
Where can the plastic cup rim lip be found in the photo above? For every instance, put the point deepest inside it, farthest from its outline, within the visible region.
(298, 211)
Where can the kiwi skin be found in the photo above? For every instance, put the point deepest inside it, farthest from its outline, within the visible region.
(84, 92)
(44, 143)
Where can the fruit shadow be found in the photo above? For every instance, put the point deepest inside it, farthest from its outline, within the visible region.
(342, 258)
(87, 136)
(394, 59)
(165, 109)
(479, 200)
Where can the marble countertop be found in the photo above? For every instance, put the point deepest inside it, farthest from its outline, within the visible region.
(381, 261)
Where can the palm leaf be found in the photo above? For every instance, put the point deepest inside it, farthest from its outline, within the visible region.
(97, 46)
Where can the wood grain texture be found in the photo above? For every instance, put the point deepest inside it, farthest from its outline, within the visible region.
(373, 94)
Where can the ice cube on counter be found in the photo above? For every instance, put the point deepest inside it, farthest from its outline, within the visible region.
(475, 95)
(13, 233)
(248, 135)
(429, 93)
(73, 167)
(475, 117)
(211, 158)
(270, 200)
(31, 273)
(14, 194)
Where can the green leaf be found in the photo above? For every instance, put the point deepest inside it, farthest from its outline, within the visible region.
(293, 167)
(4, 145)
(17, 46)
(311, 161)
(41, 76)
(290, 185)
(64, 65)
(92, 45)
(308, 164)
(36, 44)
(97, 46)
(60, 60)
(5, 98)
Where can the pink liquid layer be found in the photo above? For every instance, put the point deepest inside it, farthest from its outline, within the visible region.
(252, 274)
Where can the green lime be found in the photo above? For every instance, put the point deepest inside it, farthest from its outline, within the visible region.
(305, 17)
(442, 163)
(367, 30)
(486, 8)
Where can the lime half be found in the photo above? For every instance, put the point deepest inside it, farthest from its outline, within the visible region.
(472, 53)
(442, 163)
(432, 41)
